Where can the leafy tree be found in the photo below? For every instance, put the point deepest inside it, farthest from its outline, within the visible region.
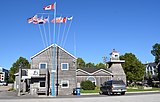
(90, 65)
(156, 52)
(133, 68)
(100, 65)
(80, 63)
(15, 66)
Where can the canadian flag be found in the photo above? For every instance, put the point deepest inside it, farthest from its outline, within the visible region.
(49, 7)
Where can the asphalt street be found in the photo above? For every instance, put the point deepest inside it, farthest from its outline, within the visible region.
(143, 97)
(9, 95)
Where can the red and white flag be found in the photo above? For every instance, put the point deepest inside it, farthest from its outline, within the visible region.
(64, 20)
(49, 7)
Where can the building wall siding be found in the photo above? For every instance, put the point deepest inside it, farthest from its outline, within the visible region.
(63, 57)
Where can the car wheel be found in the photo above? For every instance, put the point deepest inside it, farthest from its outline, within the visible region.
(123, 93)
(109, 93)
(101, 93)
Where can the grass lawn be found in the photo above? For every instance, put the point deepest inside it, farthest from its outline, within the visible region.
(97, 90)
(135, 90)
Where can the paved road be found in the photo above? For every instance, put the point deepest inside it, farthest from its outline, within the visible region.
(6, 95)
(152, 97)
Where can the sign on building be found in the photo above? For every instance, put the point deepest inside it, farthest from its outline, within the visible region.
(33, 72)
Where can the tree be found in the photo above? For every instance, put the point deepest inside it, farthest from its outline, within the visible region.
(14, 69)
(156, 52)
(90, 65)
(80, 63)
(133, 68)
(100, 65)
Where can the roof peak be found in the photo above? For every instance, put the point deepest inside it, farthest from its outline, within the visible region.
(52, 45)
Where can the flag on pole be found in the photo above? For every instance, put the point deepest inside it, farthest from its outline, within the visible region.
(58, 20)
(32, 19)
(64, 20)
(49, 7)
(70, 18)
(46, 19)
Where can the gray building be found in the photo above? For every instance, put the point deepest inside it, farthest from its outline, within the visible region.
(99, 76)
(52, 72)
(55, 63)
(115, 66)
(95, 75)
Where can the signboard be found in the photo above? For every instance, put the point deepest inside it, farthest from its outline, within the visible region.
(33, 72)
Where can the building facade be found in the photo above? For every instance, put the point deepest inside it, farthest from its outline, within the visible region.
(99, 76)
(115, 66)
(3, 74)
(52, 72)
(95, 75)
(57, 67)
(151, 70)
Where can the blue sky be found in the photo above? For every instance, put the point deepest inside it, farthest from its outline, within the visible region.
(98, 25)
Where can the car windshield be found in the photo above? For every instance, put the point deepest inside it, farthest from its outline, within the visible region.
(118, 82)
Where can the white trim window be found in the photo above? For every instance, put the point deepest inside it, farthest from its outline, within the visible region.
(65, 84)
(92, 79)
(64, 66)
(42, 65)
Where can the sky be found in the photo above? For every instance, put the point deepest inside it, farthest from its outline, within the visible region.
(98, 26)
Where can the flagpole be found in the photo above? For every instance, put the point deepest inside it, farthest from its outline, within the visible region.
(67, 33)
(54, 53)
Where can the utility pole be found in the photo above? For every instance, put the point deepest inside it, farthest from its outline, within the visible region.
(19, 86)
(104, 60)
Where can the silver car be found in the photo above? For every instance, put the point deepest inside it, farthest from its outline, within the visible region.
(113, 86)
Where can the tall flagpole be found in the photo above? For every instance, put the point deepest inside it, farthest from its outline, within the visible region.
(54, 53)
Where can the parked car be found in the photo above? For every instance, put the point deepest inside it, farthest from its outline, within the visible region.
(2, 83)
(113, 86)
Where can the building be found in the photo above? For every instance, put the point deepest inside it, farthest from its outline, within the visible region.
(99, 76)
(53, 72)
(3, 74)
(151, 70)
(115, 66)
(95, 75)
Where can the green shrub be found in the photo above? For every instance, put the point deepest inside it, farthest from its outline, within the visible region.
(87, 85)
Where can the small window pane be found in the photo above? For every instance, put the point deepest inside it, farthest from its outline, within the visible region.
(65, 84)
(64, 66)
(42, 66)
(42, 84)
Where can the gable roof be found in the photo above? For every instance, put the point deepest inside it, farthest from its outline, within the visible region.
(50, 47)
(151, 64)
(92, 71)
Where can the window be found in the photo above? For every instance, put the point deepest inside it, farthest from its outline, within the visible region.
(92, 79)
(42, 65)
(64, 66)
(42, 84)
(65, 84)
